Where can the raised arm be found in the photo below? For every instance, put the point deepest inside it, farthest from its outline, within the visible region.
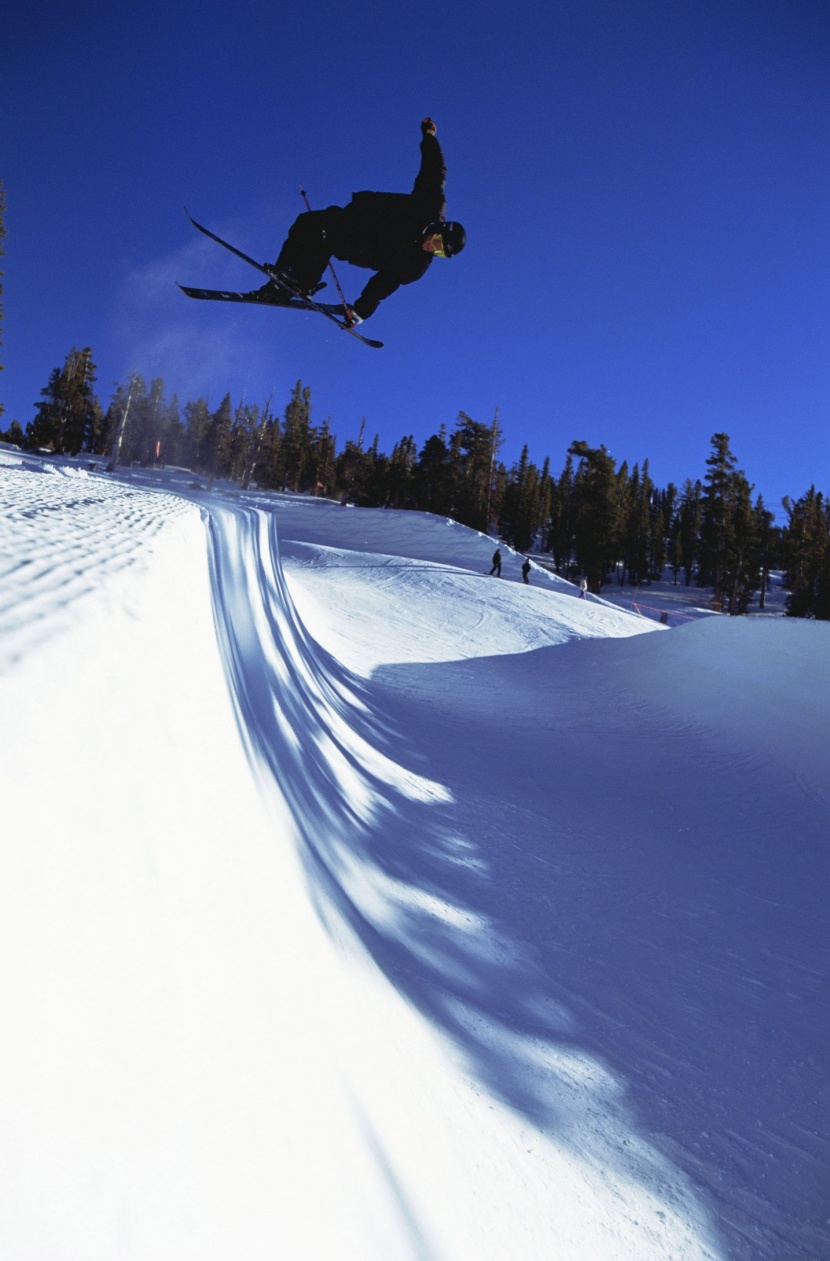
(428, 189)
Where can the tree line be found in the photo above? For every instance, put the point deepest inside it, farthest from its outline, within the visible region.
(595, 518)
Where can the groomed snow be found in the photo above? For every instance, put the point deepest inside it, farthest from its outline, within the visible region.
(355, 904)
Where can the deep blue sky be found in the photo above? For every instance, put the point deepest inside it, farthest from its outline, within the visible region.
(644, 185)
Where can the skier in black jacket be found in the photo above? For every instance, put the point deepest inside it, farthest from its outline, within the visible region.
(395, 235)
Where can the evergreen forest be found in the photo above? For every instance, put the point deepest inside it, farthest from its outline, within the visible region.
(595, 518)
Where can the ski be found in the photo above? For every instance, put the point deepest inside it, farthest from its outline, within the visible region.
(326, 309)
(256, 297)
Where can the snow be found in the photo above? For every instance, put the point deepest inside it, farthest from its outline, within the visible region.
(355, 904)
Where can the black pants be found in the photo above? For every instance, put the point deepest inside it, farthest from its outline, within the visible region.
(311, 241)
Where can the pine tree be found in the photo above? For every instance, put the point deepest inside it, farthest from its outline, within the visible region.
(597, 525)
(268, 464)
(473, 452)
(69, 414)
(743, 564)
(154, 423)
(520, 508)
(768, 546)
(14, 434)
(663, 502)
(399, 489)
(433, 475)
(643, 526)
(118, 418)
(716, 524)
(643, 515)
(142, 434)
(560, 540)
(296, 438)
(323, 458)
(545, 499)
(628, 500)
(354, 471)
(217, 447)
(373, 488)
(806, 553)
(685, 531)
(197, 429)
(141, 426)
(728, 559)
(259, 451)
(172, 434)
(239, 441)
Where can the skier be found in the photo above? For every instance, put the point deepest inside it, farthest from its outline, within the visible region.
(395, 235)
(496, 564)
(526, 571)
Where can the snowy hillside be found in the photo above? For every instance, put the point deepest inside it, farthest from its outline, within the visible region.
(357, 905)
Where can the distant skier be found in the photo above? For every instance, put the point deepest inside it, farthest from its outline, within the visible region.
(496, 563)
(395, 235)
(526, 571)
(583, 587)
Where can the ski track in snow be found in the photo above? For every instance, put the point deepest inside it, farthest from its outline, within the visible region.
(63, 543)
(570, 956)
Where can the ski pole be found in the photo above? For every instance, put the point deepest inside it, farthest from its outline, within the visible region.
(331, 269)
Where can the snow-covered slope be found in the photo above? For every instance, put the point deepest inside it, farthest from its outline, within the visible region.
(355, 904)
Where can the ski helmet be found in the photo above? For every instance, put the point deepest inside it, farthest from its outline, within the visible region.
(452, 234)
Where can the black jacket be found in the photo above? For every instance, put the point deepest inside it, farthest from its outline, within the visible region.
(383, 231)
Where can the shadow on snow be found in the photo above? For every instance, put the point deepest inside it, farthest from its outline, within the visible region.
(568, 936)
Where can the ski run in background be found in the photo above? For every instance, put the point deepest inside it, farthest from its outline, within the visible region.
(357, 906)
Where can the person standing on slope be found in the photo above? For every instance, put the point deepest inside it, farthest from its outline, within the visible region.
(395, 235)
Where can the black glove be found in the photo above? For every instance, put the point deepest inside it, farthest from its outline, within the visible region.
(427, 127)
